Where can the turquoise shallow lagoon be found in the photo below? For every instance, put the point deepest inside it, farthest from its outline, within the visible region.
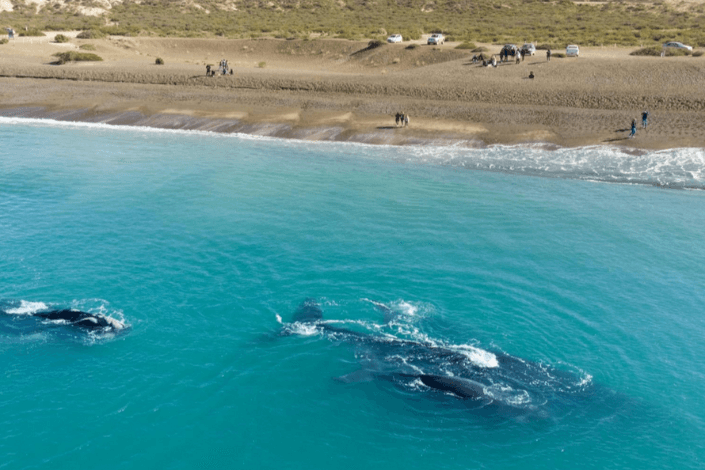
(585, 265)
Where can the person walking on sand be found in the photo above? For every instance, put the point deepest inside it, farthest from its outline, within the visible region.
(406, 120)
(397, 117)
(644, 119)
(631, 136)
(548, 55)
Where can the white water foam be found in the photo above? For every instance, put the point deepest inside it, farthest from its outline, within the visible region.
(303, 329)
(102, 308)
(676, 168)
(402, 329)
(477, 356)
(27, 308)
(672, 168)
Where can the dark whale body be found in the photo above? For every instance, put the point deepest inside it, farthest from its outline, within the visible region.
(91, 322)
(77, 318)
(510, 385)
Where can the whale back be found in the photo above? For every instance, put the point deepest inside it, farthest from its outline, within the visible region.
(308, 312)
(461, 387)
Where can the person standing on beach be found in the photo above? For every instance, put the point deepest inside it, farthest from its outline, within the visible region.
(397, 118)
(406, 120)
(644, 119)
(631, 136)
(548, 55)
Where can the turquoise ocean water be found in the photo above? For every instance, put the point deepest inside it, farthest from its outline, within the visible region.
(570, 283)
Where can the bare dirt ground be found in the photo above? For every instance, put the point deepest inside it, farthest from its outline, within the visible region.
(304, 89)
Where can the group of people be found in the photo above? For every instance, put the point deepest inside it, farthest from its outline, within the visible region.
(504, 55)
(644, 122)
(485, 62)
(402, 118)
(223, 69)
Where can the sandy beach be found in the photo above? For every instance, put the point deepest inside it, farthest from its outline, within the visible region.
(340, 90)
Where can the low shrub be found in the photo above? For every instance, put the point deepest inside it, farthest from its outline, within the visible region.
(557, 55)
(31, 33)
(73, 56)
(4, 41)
(375, 43)
(546, 46)
(91, 34)
(262, 65)
(412, 34)
(670, 52)
(648, 51)
(466, 45)
(698, 53)
(61, 38)
(656, 51)
(411, 47)
(87, 47)
(480, 49)
(159, 61)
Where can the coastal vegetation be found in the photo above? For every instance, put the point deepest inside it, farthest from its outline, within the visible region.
(73, 56)
(466, 45)
(60, 38)
(656, 51)
(31, 32)
(553, 22)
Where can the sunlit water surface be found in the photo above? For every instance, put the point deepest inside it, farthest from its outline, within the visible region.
(206, 245)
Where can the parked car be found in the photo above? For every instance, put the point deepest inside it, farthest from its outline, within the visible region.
(572, 51)
(394, 38)
(677, 45)
(509, 50)
(436, 39)
(528, 49)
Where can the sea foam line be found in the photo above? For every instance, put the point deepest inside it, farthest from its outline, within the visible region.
(423, 149)
(679, 167)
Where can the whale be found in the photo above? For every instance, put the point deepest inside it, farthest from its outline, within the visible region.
(482, 377)
(86, 321)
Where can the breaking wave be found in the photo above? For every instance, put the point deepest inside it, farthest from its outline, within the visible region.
(682, 168)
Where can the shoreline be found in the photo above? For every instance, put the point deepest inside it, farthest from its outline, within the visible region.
(592, 163)
(287, 115)
(343, 94)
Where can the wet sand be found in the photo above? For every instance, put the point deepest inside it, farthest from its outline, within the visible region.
(339, 90)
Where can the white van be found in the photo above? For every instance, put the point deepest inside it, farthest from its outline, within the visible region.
(572, 51)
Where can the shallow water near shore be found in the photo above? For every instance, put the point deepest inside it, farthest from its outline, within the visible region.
(205, 245)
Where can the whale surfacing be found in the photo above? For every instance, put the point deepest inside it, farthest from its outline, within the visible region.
(499, 382)
(81, 319)
(94, 322)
